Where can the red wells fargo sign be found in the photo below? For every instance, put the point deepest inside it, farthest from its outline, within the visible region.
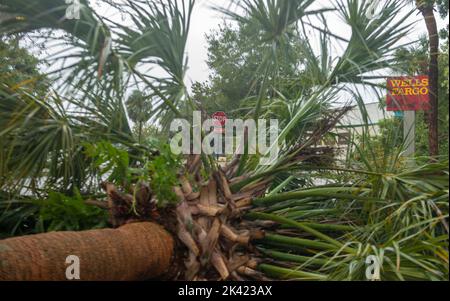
(408, 93)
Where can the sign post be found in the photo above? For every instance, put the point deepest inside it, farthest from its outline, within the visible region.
(409, 132)
(408, 94)
(220, 119)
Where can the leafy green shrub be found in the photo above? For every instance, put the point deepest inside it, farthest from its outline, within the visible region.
(63, 213)
(57, 212)
(163, 171)
(111, 162)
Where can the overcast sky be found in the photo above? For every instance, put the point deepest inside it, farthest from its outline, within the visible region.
(205, 19)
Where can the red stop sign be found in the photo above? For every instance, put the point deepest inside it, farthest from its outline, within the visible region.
(221, 117)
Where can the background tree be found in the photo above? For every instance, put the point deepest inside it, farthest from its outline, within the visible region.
(235, 57)
(20, 68)
(426, 7)
(139, 108)
(414, 60)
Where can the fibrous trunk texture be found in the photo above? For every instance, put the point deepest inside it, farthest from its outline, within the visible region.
(433, 72)
(136, 251)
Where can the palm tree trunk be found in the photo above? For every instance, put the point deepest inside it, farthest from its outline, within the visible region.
(136, 251)
(427, 12)
(140, 132)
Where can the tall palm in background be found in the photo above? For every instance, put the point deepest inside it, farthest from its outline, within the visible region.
(312, 231)
(426, 8)
(139, 109)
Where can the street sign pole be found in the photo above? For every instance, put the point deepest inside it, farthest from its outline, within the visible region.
(409, 130)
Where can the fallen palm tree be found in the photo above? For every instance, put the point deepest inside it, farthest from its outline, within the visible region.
(213, 239)
(104, 254)
(216, 234)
